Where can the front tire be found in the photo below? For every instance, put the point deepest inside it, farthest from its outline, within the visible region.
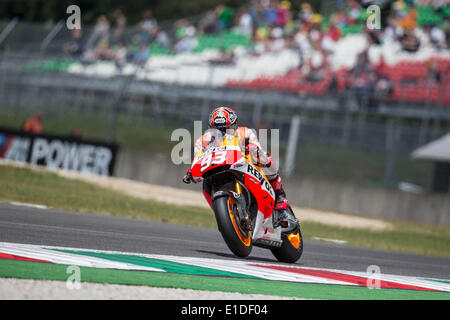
(238, 240)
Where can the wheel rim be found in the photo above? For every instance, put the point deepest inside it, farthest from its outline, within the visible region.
(246, 240)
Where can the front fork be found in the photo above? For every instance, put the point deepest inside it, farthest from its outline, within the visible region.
(238, 187)
(244, 217)
(241, 204)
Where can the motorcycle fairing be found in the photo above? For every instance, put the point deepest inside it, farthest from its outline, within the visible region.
(230, 153)
(258, 185)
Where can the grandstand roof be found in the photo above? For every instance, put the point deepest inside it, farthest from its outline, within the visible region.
(438, 150)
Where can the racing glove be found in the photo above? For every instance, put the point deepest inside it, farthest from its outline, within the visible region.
(188, 177)
(257, 155)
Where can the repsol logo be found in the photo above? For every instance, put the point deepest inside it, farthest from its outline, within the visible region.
(264, 183)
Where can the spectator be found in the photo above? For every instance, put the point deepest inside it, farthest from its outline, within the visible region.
(245, 22)
(354, 13)
(301, 39)
(409, 41)
(141, 56)
(77, 132)
(306, 12)
(75, 46)
(437, 37)
(283, 13)
(389, 33)
(120, 55)
(262, 33)
(102, 50)
(439, 5)
(118, 26)
(327, 44)
(330, 38)
(362, 61)
(101, 30)
(180, 28)
(334, 32)
(257, 13)
(142, 35)
(277, 42)
(224, 15)
(400, 9)
(147, 30)
(102, 25)
(270, 14)
(185, 34)
(362, 79)
(383, 85)
(315, 35)
(34, 124)
(99, 42)
(340, 18)
(433, 74)
(149, 23)
(409, 21)
(210, 23)
(315, 67)
(162, 38)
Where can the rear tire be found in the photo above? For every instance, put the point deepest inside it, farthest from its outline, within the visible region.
(237, 240)
(290, 250)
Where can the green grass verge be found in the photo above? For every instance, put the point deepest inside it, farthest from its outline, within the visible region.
(46, 271)
(47, 188)
(403, 237)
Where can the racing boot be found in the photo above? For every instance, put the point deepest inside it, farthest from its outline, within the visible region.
(282, 211)
(281, 202)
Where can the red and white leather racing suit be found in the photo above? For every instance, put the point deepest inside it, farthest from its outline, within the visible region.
(249, 143)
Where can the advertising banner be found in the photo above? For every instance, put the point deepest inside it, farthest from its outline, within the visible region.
(63, 152)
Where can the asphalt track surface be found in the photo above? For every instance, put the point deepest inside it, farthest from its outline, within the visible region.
(26, 225)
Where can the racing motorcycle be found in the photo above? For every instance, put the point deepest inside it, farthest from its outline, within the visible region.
(243, 202)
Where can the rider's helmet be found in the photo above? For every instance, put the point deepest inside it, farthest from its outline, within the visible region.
(223, 118)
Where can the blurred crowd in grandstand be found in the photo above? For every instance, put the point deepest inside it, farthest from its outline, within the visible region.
(268, 22)
(271, 26)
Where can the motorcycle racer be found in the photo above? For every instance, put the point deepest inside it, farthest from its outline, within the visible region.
(225, 121)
